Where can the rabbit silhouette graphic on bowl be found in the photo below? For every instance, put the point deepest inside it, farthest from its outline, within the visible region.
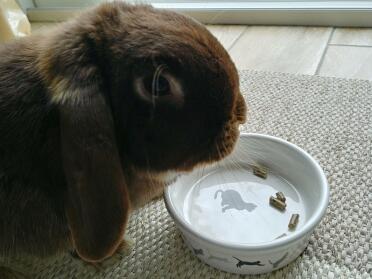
(232, 199)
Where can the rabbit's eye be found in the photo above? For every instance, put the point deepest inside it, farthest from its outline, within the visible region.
(162, 87)
(157, 85)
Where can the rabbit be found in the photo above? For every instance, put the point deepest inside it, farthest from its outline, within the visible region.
(98, 115)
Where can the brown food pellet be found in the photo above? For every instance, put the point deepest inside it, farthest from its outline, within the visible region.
(280, 196)
(277, 203)
(260, 171)
(293, 221)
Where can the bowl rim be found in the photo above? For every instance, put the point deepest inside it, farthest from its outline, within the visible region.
(308, 227)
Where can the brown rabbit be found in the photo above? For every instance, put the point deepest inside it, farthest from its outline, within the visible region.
(95, 115)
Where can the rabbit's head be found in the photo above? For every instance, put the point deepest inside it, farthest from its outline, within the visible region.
(174, 91)
(138, 87)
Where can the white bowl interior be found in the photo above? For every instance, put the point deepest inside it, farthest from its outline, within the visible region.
(227, 203)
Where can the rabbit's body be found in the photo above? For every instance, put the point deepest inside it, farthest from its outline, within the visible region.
(31, 174)
(84, 138)
(26, 118)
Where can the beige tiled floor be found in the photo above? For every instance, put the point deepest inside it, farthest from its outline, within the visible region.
(346, 61)
(282, 49)
(227, 34)
(339, 52)
(352, 36)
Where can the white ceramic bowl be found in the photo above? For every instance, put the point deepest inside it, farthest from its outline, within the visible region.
(224, 214)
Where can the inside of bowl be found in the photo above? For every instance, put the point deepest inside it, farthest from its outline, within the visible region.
(228, 202)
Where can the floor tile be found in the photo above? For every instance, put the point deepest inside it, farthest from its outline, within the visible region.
(347, 62)
(352, 36)
(281, 49)
(227, 34)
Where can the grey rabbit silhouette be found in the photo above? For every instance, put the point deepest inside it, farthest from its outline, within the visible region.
(232, 199)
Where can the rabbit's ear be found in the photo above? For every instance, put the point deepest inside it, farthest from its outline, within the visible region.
(97, 203)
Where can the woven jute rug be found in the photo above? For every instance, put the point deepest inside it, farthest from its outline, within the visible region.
(332, 120)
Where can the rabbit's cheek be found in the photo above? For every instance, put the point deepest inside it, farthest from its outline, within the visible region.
(241, 110)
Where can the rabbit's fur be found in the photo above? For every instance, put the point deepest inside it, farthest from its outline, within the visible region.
(86, 134)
